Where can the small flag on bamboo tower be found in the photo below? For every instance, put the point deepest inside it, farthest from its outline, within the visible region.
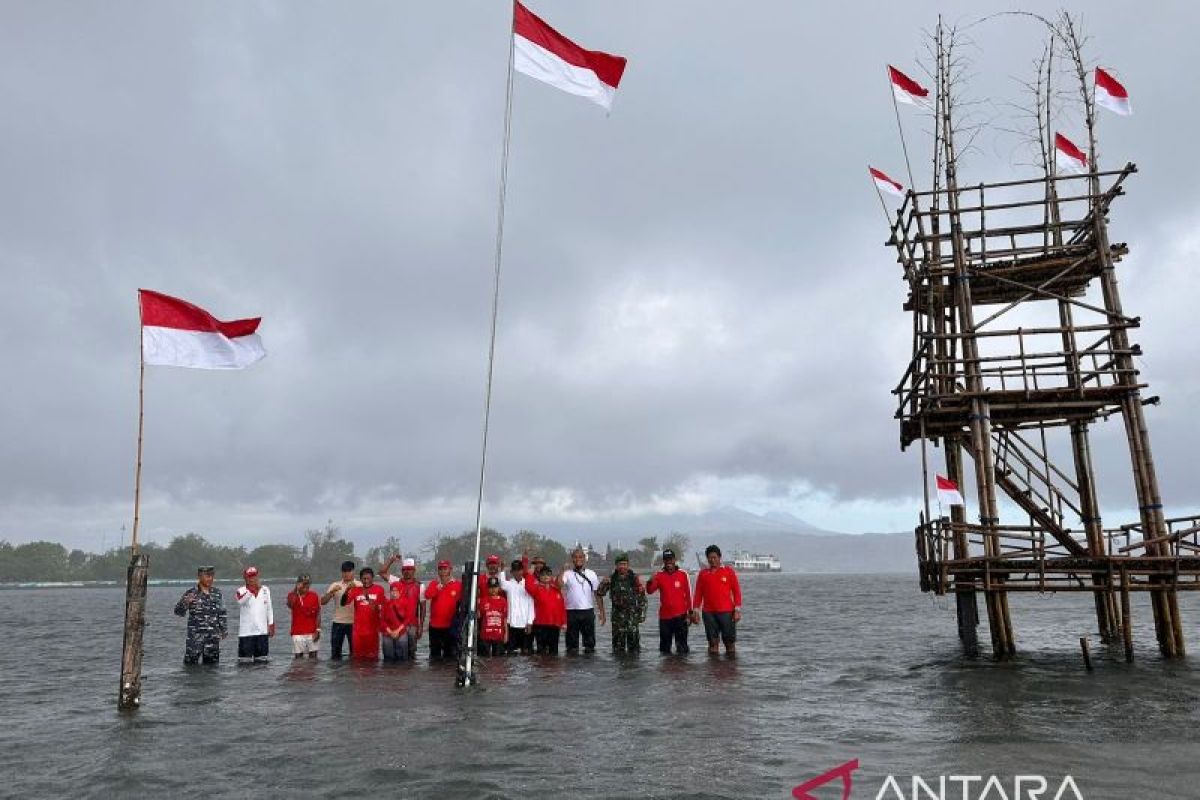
(1067, 156)
(1111, 94)
(907, 90)
(886, 184)
(948, 493)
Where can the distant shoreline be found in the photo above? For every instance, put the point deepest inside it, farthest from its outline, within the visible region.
(168, 582)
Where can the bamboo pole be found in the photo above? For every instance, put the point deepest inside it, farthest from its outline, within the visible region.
(129, 694)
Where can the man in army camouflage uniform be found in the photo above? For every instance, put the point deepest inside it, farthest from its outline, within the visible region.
(205, 612)
(628, 606)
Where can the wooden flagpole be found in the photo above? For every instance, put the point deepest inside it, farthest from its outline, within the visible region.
(903, 144)
(466, 668)
(130, 693)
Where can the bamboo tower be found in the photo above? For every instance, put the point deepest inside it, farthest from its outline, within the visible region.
(1012, 404)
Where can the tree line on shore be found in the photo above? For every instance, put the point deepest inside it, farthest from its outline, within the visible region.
(321, 556)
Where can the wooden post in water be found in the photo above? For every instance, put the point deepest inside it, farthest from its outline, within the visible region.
(1087, 656)
(129, 696)
(1126, 618)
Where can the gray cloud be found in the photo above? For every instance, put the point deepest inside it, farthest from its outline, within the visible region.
(696, 304)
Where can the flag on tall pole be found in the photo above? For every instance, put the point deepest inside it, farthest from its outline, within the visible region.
(947, 492)
(176, 333)
(543, 53)
(1068, 156)
(537, 50)
(1111, 94)
(906, 90)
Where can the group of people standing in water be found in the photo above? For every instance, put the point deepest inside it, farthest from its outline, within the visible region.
(526, 610)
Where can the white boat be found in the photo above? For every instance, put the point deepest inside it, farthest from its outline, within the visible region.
(746, 562)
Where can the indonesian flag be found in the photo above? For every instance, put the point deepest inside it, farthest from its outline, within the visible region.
(1111, 94)
(176, 333)
(885, 184)
(1067, 156)
(907, 90)
(541, 52)
(948, 493)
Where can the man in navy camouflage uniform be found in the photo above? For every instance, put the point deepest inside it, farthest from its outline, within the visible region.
(628, 598)
(205, 612)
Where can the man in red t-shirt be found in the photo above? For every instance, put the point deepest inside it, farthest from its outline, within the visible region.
(366, 600)
(493, 620)
(549, 610)
(675, 602)
(306, 618)
(443, 595)
(720, 595)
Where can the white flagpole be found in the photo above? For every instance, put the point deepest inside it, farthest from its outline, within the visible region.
(466, 676)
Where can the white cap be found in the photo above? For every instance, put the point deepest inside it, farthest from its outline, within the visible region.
(408, 562)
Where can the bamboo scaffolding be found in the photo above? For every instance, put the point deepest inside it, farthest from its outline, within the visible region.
(971, 254)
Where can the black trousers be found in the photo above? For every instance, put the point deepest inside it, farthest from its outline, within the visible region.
(581, 622)
(673, 629)
(519, 640)
(546, 638)
(491, 648)
(442, 644)
(720, 625)
(340, 632)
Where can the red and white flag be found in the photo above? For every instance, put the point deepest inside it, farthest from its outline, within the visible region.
(541, 52)
(948, 493)
(885, 184)
(907, 90)
(1111, 94)
(1067, 156)
(176, 333)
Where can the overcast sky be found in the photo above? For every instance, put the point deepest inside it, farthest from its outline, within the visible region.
(697, 309)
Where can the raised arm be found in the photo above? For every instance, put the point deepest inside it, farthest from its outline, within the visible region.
(185, 602)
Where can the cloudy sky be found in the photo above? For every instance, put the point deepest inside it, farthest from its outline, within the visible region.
(697, 309)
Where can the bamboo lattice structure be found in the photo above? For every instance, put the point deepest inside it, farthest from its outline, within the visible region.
(1012, 405)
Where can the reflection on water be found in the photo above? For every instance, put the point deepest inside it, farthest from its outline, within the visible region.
(828, 668)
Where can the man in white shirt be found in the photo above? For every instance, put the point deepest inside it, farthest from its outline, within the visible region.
(579, 592)
(520, 609)
(256, 618)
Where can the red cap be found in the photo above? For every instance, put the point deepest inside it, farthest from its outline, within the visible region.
(493, 559)
(445, 564)
(250, 572)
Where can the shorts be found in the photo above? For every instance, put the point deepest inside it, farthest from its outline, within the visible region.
(254, 646)
(302, 644)
(720, 625)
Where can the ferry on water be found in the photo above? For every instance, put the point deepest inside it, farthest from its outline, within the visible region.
(745, 562)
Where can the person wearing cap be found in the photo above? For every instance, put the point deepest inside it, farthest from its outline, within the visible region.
(491, 570)
(342, 629)
(367, 600)
(493, 620)
(410, 593)
(674, 605)
(520, 607)
(256, 618)
(549, 610)
(580, 592)
(443, 595)
(720, 597)
(628, 596)
(206, 620)
(393, 620)
(306, 618)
